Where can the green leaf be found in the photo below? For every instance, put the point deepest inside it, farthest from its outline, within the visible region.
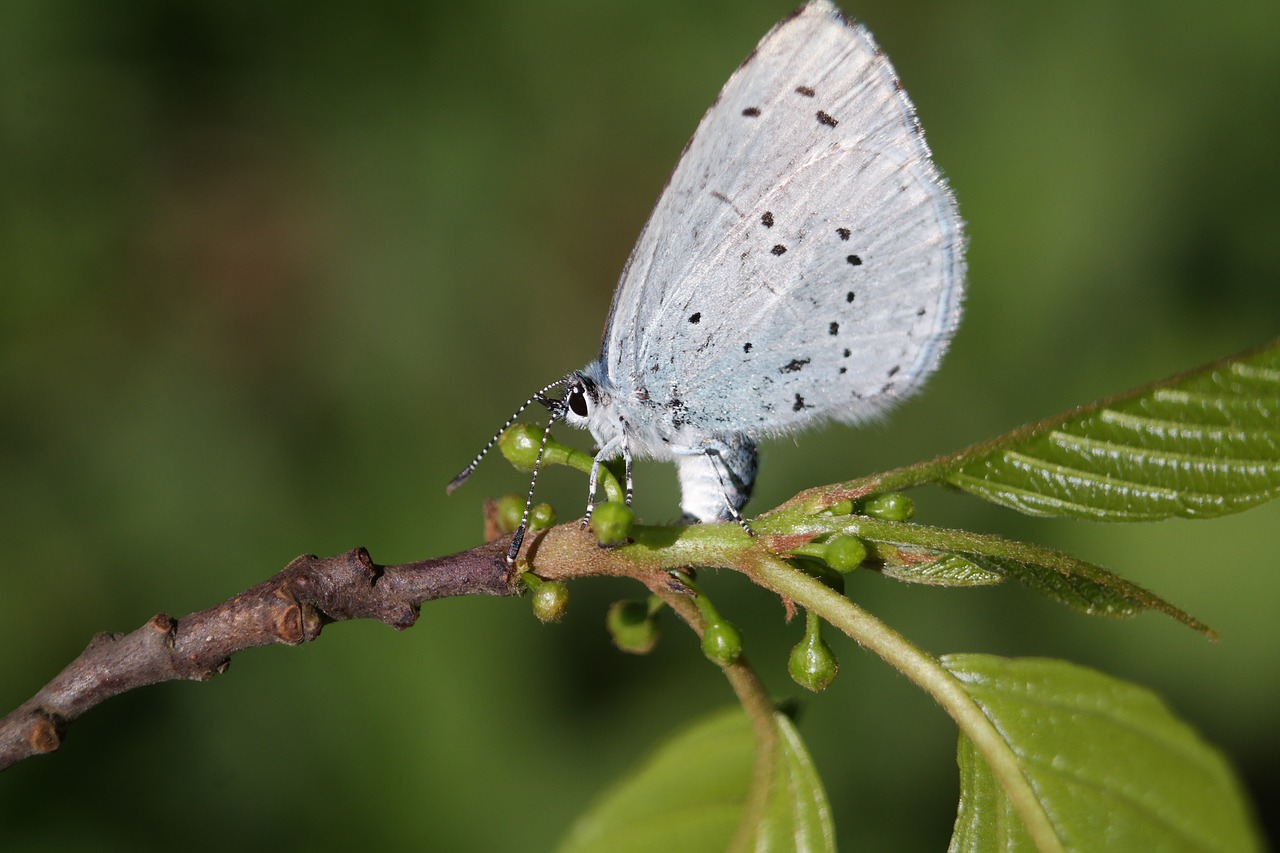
(1082, 586)
(1198, 445)
(922, 554)
(948, 570)
(1111, 767)
(689, 795)
(797, 815)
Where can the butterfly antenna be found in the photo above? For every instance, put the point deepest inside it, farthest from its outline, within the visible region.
(465, 473)
(518, 539)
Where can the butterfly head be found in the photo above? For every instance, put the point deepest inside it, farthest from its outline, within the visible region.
(586, 403)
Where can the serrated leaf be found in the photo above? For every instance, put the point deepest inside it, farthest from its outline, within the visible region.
(949, 570)
(1082, 586)
(914, 550)
(689, 795)
(1110, 766)
(1085, 587)
(1198, 445)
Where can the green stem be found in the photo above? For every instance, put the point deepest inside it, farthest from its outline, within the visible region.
(755, 702)
(933, 470)
(926, 673)
(938, 540)
(560, 454)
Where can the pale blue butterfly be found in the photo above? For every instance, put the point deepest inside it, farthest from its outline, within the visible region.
(804, 263)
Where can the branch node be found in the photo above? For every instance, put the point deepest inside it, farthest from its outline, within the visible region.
(44, 735)
(165, 624)
(312, 623)
(360, 556)
(404, 617)
(289, 622)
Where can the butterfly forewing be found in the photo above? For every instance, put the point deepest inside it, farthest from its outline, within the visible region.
(805, 260)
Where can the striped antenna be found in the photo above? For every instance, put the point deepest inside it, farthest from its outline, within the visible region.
(465, 473)
(518, 539)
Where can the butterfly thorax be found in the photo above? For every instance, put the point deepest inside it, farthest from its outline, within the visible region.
(652, 425)
(717, 469)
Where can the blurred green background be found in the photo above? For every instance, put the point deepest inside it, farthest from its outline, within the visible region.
(270, 274)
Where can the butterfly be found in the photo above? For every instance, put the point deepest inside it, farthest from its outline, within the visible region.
(805, 263)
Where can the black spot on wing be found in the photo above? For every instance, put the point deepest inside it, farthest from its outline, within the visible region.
(695, 317)
(778, 250)
(844, 370)
(767, 219)
(798, 404)
(844, 233)
(854, 261)
(920, 312)
(824, 118)
(747, 347)
(751, 112)
(807, 91)
(833, 329)
(847, 352)
(848, 297)
(679, 412)
(893, 370)
(793, 366)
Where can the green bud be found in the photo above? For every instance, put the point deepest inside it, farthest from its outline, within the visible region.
(611, 522)
(891, 506)
(632, 626)
(842, 508)
(550, 598)
(520, 444)
(510, 509)
(811, 664)
(844, 553)
(541, 517)
(721, 642)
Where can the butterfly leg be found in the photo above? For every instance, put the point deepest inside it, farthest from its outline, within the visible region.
(626, 464)
(608, 451)
(716, 478)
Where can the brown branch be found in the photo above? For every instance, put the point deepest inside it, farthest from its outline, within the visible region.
(290, 608)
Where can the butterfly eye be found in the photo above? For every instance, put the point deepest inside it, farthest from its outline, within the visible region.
(578, 401)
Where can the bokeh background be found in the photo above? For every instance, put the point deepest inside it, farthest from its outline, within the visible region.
(271, 273)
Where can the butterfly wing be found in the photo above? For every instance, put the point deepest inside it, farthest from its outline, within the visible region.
(805, 260)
